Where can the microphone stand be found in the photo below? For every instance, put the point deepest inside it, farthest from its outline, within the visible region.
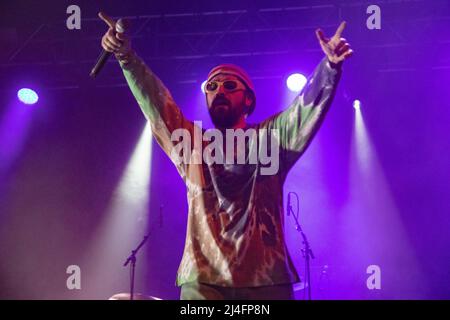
(132, 259)
(306, 250)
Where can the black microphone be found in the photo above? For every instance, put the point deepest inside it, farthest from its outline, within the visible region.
(289, 204)
(121, 26)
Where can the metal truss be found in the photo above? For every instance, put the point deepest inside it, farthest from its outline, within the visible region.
(189, 42)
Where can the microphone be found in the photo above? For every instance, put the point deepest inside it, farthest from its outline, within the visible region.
(121, 26)
(289, 204)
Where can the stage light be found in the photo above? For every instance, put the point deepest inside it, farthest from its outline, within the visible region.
(27, 96)
(203, 86)
(296, 82)
(357, 104)
(125, 222)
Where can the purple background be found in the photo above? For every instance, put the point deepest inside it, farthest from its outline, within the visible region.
(62, 159)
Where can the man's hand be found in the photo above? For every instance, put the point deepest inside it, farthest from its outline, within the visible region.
(336, 48)
(112, 41)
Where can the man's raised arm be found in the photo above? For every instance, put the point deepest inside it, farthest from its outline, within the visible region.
(297, 125)
(153, 97)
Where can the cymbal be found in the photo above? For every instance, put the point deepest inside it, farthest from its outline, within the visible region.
(136, 296)
(300, 286)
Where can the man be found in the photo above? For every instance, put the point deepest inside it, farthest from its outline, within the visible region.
(235, 246)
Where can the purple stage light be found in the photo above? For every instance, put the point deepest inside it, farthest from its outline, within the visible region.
(357, 104)
(296, 82)
(27, 96)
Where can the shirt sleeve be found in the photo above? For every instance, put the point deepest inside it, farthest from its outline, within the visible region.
(297, 125)
(157, 104)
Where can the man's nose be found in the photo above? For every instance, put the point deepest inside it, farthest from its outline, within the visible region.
(221, 90)
(220, 95)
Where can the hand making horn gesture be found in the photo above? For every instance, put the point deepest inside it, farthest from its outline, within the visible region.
(336, 48)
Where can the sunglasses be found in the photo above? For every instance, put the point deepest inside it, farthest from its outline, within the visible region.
(228, 85)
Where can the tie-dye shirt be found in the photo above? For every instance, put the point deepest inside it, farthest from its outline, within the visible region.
(235, 225)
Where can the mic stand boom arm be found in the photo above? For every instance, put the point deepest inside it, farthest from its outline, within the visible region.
(306, 250)
(132, 259)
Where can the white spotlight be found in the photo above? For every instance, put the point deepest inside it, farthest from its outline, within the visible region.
(295, 82)
(203, 86)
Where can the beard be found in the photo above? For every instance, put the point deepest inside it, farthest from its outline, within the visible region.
(223, 115)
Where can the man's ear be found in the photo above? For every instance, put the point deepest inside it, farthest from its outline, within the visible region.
(249, 101)
(249, 98)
